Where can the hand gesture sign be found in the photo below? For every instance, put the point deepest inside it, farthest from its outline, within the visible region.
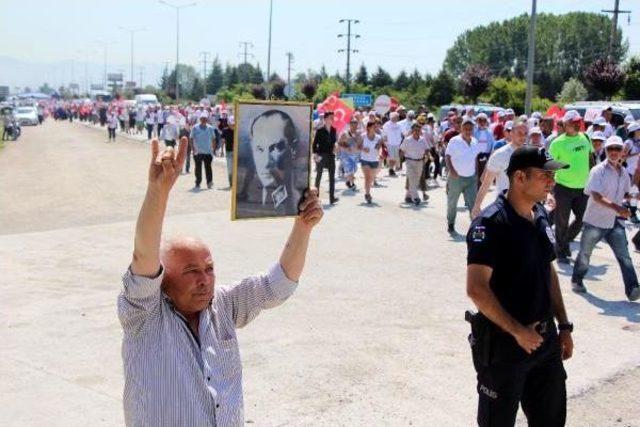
(310, 208)
(165, 166)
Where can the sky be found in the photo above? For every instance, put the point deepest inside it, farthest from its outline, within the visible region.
(55, 40)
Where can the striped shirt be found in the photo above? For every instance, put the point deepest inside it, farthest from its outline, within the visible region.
(171, 379)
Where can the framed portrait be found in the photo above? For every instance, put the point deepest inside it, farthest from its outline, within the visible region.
(271, 158)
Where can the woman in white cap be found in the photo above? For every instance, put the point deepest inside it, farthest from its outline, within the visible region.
(371, 143)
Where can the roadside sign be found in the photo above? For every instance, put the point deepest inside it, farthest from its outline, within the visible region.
(359, 99)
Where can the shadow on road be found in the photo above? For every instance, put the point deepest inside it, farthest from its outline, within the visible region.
(626, 309)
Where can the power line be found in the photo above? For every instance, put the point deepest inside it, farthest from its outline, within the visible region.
(348, 50)
(245, 54)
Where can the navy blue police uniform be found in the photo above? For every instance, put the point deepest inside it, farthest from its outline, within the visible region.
(520, 253)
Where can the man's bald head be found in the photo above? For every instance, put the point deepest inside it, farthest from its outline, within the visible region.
(189, 277)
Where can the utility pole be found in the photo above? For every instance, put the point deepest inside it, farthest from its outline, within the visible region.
(141, 71)
(177, 8)
(348, 50)
(105, 44)
(245, 54)
(205, 59)
(132, 31)
(289, 61)
(269, 48)
(614, 25)
(531, 59)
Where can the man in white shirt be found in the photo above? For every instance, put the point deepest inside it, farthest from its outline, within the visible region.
(393, 136)
(607, 187)
(406, 123)
(497, 166)
(414, 148)
(461, 155)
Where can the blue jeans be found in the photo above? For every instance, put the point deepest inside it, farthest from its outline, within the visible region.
(616, 238)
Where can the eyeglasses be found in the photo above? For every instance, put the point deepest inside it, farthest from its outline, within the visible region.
(614, 148)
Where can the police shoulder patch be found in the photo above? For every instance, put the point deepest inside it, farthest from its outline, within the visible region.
(479, 233)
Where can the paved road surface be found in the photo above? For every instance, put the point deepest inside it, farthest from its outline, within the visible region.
(373, 336)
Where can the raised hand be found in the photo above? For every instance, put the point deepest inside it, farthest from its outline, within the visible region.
(310, 209)
(165, 166)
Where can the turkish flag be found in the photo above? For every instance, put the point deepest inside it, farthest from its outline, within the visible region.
(394, 104)
(557, 113)
(341, 111)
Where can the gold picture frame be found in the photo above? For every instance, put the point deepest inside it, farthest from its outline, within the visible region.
(270, 172)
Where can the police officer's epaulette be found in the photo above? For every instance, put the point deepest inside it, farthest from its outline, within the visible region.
(492, 210)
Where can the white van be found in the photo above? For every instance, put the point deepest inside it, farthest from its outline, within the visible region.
(146, 99)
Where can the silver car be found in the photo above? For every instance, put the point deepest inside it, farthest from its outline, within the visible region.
(27, 116)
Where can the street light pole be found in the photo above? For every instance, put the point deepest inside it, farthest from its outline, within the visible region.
(177, 8)
(531, 59)
(132, 31)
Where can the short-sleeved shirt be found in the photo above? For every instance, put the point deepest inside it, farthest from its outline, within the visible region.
(202, 137)
(485, 140)
(498, 163)
(414, 149)
(463, 155)
(576, 152)
(519, 253)
(611, 183)
(393, 133)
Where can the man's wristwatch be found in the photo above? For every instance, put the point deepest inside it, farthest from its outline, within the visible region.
(565, 327)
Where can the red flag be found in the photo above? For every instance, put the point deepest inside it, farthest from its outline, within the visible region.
(394, 104)
(557, 113)
(341, 111)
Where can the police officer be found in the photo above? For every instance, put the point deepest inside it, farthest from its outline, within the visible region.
(517, 350)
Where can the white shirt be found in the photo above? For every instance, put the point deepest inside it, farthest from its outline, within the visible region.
(405, 125)
(498, 163)
(463, 155)
(393, 133)
(414, 149)
(633, 148)
(151, 118)
(372, 155)
(611, 183)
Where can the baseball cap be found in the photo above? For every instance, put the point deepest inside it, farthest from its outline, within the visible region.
(613, 141)
(571, 116)
(529, 156)
(203, 115)
(430, 116)
(501, 114)
(508, 125)
(600, 121)
(482, 116)
(353, 120)
(628, 119)
(535, 131)
(467, 120)
(633, 127)
(510, 111)
(598, 135)
(536, 115)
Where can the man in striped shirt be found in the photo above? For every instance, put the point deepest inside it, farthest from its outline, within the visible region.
(180, 353)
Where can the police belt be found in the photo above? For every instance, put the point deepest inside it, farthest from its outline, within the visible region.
(415, 160)
(480, 320)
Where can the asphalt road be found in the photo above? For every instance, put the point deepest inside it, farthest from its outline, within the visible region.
(373, 336)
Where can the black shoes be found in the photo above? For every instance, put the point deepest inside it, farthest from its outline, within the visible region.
(451, 229)
(367, 198)
(334, 200)
(417, 201)
(407, 199)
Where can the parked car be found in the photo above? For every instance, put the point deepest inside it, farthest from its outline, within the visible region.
(146, 99)
(27, 116)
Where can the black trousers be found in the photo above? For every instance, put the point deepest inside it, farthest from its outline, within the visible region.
(568, 200)
(511, 378)
(327, 161)
(205, 159)
(112, 133)
(149, 131)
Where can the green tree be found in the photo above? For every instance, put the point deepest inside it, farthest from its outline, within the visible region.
(362, 77)
(46, 89)
(402, 81)
(215, 79)
(565, 46)
(507, 93)
(327, 87)
(230, 76)
(632, 85)
(188, 77)
(380, 79)
(573, 90)
(309, 89)
(443, 89)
